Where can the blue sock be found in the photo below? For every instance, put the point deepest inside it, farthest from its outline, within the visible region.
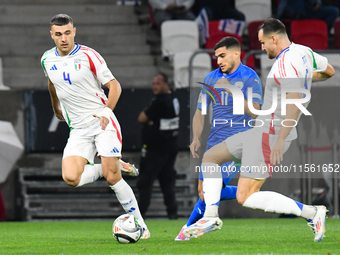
(228, 192)
(197, 213)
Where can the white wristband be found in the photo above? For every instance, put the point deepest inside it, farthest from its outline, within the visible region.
(105, 113)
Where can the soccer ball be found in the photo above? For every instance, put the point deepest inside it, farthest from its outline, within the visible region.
(126, 229)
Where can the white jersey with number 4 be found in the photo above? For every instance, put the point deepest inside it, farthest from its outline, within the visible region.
(293, 68)
(77, 78)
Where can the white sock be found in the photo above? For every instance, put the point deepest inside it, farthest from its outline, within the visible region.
(308, 212)
(127, 199)
(91, 174)
(212, 186)
(270, 201)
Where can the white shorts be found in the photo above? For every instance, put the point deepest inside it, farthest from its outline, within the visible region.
(87, 141)
(253, 147)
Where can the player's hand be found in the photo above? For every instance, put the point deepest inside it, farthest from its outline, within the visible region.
(194, 146)
(224, 81)
(104, 117)
(276, 156)
(59, 114)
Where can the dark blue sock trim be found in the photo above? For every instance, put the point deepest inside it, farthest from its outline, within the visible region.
(300, 205)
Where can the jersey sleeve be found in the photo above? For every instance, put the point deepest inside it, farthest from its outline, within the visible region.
(42, 61)
(98, 65)
(319, 62)
(202, 94)
(254, 82)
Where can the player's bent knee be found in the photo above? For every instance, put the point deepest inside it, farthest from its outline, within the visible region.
(240, 200)
(241, 197)
(71, 179)
(112, 179)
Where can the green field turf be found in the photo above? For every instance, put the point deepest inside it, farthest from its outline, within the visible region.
(238, 236)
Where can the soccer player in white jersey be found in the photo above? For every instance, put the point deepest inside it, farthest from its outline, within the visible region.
(295, 68)
(75, 74)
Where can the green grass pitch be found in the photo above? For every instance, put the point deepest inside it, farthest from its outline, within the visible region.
(238, 236)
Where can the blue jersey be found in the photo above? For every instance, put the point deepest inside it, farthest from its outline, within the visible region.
(229, 124)
(224, 122)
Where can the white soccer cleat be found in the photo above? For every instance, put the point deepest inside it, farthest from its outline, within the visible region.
(318, 223)
(146, 233)
(128, 168)
(204, 225)
(181, 237)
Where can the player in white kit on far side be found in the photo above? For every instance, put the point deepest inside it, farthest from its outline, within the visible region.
(75, 74)
(263, 146)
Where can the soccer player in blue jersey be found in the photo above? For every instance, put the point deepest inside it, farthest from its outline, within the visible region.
(224, 122)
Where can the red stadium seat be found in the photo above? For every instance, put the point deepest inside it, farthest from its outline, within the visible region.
(337, 34)
(253, 40)
(311, 33)
(215, 35)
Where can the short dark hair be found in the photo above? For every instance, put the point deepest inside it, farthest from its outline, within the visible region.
(61, 20)
(228, 42)
(271, 26)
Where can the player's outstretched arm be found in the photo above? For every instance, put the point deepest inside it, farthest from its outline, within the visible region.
(247, 111)
(114, 93)
(292, 114)
(197, 128)
(55, 101)
(142, 118)
(322, 76)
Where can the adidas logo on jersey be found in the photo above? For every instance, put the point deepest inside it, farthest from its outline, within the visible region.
(54, 67)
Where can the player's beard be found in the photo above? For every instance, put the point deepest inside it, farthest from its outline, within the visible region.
(229, 69)
(270, 55)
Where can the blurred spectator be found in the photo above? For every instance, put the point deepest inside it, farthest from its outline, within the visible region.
(159, 138)
(219, 9)
(307, 9)
(163, 10)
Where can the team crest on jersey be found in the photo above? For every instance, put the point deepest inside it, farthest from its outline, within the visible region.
(77, 64)
(239, 84)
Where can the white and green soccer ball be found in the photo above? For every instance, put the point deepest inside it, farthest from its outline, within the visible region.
(126, 229)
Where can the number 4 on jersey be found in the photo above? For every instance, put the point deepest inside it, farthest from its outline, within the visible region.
(67, 78)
